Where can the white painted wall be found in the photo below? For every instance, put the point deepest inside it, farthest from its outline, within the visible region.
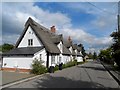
(79, 59)
(56, 60)
(66, 59)
(43, 56)
(19, 62)
(81, 53)
(71, 57)
(60, 46)
(29, 35)
(70, 49)
(76, 53)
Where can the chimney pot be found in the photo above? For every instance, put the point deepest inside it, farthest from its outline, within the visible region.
(53, 30)
(69, 39)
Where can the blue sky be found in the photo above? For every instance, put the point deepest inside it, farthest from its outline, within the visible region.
(89, 23)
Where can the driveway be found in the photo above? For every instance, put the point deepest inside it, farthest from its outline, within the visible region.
(8, 77)
(88, 75)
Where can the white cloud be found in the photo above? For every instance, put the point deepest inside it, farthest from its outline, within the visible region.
(16, 14)
(105, 22)
(60, 0)
(81, 36)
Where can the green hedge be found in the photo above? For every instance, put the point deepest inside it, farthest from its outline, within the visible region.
(56, 68)
(80, 63)
(38, 68)
(70, 64)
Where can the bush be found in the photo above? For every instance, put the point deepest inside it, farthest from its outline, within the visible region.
(75, 62)
(80, 63)
(38, 68)
(70, 64)
(56, 68)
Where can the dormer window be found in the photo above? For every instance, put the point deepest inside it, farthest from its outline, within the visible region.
(30, 42)
(60, 46)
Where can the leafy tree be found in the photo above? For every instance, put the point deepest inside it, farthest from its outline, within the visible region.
(94, 55)
(90, 55)
(106, 55)
(6, 47)
(82, 49)
(116, 47)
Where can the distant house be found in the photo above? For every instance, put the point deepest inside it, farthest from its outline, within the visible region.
(38, 42)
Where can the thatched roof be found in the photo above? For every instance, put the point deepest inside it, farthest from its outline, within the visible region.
(43, 34)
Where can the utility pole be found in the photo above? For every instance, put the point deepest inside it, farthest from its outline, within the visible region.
(118, 16)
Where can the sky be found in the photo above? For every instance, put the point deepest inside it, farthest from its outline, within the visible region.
(89, 23)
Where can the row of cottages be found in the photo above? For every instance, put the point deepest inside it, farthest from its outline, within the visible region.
(38, 42)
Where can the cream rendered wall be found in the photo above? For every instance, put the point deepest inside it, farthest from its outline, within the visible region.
(29, 35)
(19, 62)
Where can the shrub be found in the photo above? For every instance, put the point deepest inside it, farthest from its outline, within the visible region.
(56, 68)
(64, 66)
(80, 63)
(75, 62)
(70, 64)
(37, 67)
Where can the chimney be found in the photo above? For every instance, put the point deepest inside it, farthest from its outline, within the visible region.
(53, 30)
(69, 39)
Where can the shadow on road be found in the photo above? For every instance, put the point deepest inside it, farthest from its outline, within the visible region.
(61, 82)
(93, 67)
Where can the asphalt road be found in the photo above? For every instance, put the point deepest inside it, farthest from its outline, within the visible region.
(88, 75)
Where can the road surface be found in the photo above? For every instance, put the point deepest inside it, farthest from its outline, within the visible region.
(89, 75)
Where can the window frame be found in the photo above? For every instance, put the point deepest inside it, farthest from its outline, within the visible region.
(52, 59)
(40, 56)
(30, 42)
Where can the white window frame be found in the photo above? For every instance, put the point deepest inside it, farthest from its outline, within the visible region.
(60, 59)
(52, 59)
(40, 56)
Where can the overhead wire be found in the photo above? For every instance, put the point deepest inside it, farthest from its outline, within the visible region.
(111, 13)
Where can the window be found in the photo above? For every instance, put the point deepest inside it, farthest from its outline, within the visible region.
(60, 46)
(29, 32)
(59, 59)
(53, 59)
(40, 56)
(30, 42)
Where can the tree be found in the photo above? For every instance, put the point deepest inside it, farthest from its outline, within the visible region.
(106, 55)
(82, 49)
(90, 55)
(116, 47)
(6, 47)
(94, 55)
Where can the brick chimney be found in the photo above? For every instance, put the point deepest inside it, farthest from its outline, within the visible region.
(69, 39)
(53, 30)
